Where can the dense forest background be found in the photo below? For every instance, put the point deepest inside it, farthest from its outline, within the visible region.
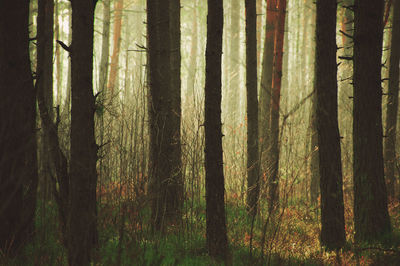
(194, 132)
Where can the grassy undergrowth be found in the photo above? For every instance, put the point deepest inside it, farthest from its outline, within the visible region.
(125, 238)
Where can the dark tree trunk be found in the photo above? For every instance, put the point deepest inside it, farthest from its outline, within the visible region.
(371, 218)
(217, 241)
(44, 82)
(164, 114)
(53, 155)
(273, 184)
(82, 228)
(18, 162)
(330, 165)
(253, 166)
(393, 102)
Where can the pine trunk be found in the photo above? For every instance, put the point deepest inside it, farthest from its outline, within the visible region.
(164, 114)
(253, 186)
(273, 184)
(18, 163)
(266, 85)
(44, 82)
(82, 228)
(371, 218)
(217, 242)
(330, 165)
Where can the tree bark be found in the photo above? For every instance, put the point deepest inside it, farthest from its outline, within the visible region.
(217, 241)
(82, 220)
(44, 82)
(18, 163)
(273, 184)
(393, 102)
(330, 165)
(266, 85)
(253, 171)
(105, 46)
(163, 114)
(371, 218)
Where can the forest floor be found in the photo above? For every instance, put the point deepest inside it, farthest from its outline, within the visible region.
(125, 238)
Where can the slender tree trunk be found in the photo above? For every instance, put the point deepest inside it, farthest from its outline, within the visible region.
(273, 185)
(314, 164)
(58, 63)
(44, 82)
(68, 96)
(103, 74)
(330, 165)
(18, 163)
(253, 186)
(217, 241)
(82, 220)
(191, 78)
(113, 79)
(371, 218)
(105, 46)
(393, 102)
(266, 84)
(175, 110)
(259, 32)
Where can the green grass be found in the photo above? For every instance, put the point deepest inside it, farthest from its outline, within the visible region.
(295, 244)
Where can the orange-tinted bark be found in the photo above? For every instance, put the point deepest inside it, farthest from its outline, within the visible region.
(119, 4)
(387, 12)
(279, 34)
(278, 54)
(343, 29)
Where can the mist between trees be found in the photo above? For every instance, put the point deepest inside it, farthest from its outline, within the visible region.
(194, 132)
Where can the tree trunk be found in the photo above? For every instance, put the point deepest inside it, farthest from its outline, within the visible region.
(253, 186)
(113, 79)
(175, 109)
(273, 184)
(163, 114)
(82, 228)
(217, 242)
(58, 63)
(266, 85)
(259, 32)
(393, 102)
(371, 218)
(18, 163)
(330, 165)
(105, 46)
(44, 82)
